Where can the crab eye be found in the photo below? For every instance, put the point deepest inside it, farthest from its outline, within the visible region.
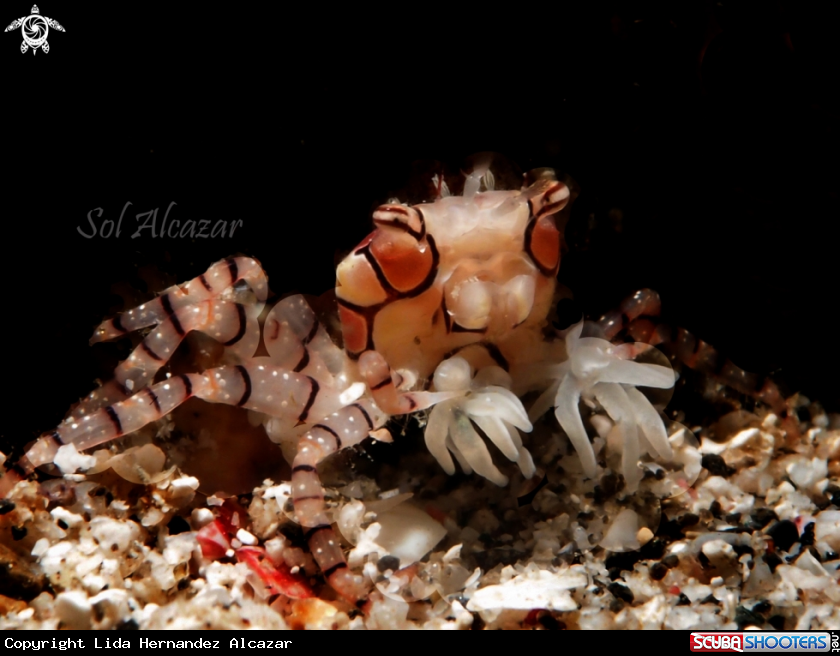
(407, 219)
(534, 175)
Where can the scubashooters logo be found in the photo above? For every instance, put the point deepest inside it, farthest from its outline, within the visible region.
(762, 641)
(35, 29)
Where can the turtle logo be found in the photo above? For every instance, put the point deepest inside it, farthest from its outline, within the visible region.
(35, 29)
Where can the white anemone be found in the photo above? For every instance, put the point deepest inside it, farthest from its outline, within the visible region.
(599, 371)
(488, 402)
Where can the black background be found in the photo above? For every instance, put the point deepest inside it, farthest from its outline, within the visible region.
(710, 128)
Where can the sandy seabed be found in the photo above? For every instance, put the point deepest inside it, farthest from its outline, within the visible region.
(753, 543)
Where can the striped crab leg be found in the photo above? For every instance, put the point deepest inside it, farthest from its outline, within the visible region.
(296, 340)
(219, 278)
(341, 429)
(233, 324)
(256, 385)
(638, 319)
(206, 304)
(380, 380)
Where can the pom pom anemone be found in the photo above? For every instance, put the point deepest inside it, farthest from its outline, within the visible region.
(598, 371)
(487, 402)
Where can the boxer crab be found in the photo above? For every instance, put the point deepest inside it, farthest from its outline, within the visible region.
(456, 292)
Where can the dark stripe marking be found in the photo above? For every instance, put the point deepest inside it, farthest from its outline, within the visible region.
(403, 226)
(204, 282)
(311, 496)
(529, 231)
(173, 317)
(305, 412)
(377, 270)
(153, 398)
(496, 354)
(422, 222)
(304, 360)
(447, 319)
(115, 419)
(381, 384)
(551, 208)
(308, 533)
(421, 286)
(246, 379)
(433, 270)
(240, 311)
(458, 328)
(312, 332)
(233, 269)
(364, 414)
(148, 350)
(332, 570)
(492, 350)
(18, 469)
(56, 438)
(305, 468)
(187, 384)
(166, 303)
(116, 322)
(369, 315)
(399, 225)
(331, 432)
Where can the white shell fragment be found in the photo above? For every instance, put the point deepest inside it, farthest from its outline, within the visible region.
(69, 460)
(141, 465)
(74, 609)
(623, 532)
(408, 533)
(534, 588)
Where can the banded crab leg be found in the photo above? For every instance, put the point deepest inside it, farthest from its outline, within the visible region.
(381, 382)
(209, 303)
(638, 318)
(296, 340)
(220, 277)
(256, 386)
(341, 429)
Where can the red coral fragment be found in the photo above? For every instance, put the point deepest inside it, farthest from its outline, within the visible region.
(278, 577)
(213, 539)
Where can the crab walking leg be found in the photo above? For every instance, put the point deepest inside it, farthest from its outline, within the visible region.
(341, 429)
(255, 386)
(104, 425)
(377, 375)
(296, 340)
(644, 302)
(638, 318)
(220, 277)
(235, 325)
(703, 357)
